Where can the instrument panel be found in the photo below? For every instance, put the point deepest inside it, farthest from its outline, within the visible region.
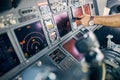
(32, 30)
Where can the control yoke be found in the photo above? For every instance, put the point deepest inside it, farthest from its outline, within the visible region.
(89, 46)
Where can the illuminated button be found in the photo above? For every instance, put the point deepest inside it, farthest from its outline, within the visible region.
(50, 26)
(2, 25)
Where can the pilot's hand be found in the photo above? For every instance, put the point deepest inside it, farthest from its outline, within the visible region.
(85, 20)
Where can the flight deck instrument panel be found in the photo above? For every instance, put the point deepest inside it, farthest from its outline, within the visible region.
(41, 27)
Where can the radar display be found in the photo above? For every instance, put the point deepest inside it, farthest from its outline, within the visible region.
(31, 38)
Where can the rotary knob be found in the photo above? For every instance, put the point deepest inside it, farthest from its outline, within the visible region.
(39, 63)
(2, 25)
(12, 21)
(19, 78)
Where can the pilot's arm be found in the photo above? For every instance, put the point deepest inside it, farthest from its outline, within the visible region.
(110, 20)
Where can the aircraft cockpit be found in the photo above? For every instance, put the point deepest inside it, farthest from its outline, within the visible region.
(42, 40)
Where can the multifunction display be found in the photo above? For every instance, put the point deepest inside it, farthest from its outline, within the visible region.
(70, 47)
(31, 38)
(63, 23)
(86, 8)
(77, 12)
(8, 57)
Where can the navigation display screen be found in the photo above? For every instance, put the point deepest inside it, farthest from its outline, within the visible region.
(63, 23)
(8, 57)
(86, 8)
(57, 56)
(77, 12)
(70, 47)
(31, 38)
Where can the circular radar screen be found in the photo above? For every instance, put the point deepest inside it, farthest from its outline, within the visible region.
(31, 38)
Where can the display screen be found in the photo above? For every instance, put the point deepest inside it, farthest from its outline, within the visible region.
(86, 8)
(77, 12)
(31, 38)
(8, 57)
(63, 23)
(57, 56)
(70, 47)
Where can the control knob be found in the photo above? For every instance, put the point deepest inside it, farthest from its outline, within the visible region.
(12, 21)
(2, 25)
(19, 78)
(39, 63)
